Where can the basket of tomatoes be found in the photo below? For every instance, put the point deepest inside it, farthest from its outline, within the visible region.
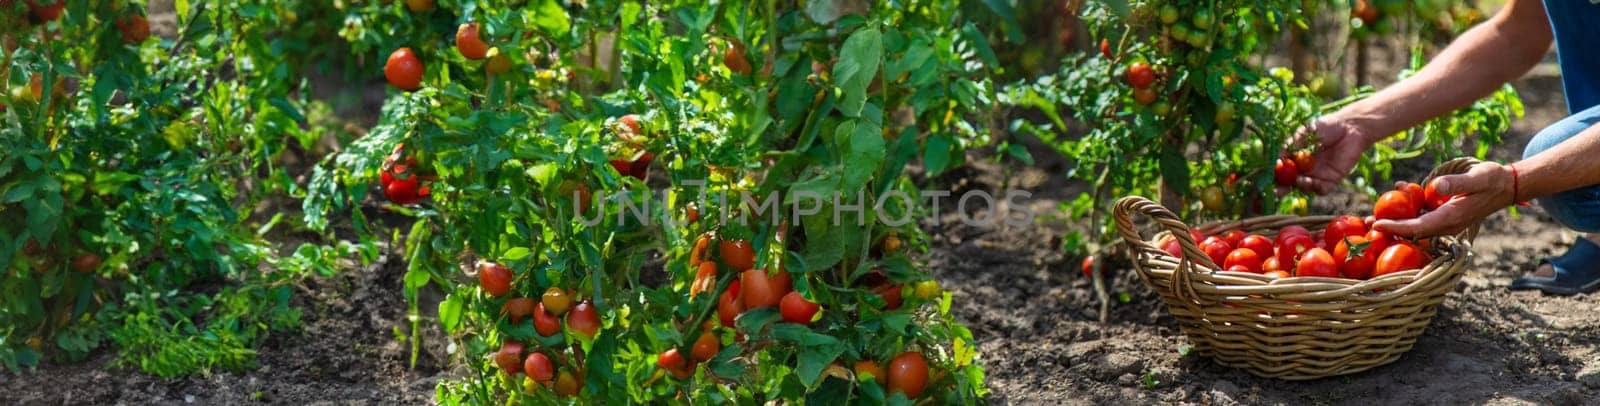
(1300, 297)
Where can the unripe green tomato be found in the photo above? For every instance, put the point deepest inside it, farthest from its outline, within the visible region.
(1180, 33)
(1161, 108)
(1168, 14)
(1201, 19)
(1297, 206)
(1225, 113)
(1212, 198)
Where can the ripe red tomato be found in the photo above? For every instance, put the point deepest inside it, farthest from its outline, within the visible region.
(1172, 247)
(1290, 231)
(1239, 269)
(47, 13)
(402, 191)
(584, 320)
(469, 44)
(517, 308)
(1415, 192)
(891, 294)
(556, 301)
(1141, 75)
(1285, 172)
(763, 290)
(1272, 264)
(1342, 226)
(1216, 248)
(673, 363)
(737, 254)
(733, 58)
(404, 70)
(630, 123)
(509, 358)
(730, 305)
(1145, 96)
(1431, 196)
(640, 167)
(1317, 262)
(1261, 245)
(1359, 254)
(1364, 11)
(1234, 237)
(545, 323)
(1395, 205)
(1276, 274)
(1304, 161)
(1088, 266)
(494, 278)
(697, 254)
(538, 367)
(796, 309)
(1243, 257)
(1105, 48)
(706, 347)
(135, 28)
(908, 374)
(1292, 248)
(1400, 256)
(705, 279)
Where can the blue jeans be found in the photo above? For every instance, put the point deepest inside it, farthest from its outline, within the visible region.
(1578, 209)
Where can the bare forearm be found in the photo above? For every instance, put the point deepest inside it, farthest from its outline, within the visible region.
(1569, 165)
(1471, 68)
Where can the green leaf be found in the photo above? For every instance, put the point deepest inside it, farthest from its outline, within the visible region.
(936, 154)
(1012, 28)
(980, 44)
(1174, 168)
(551, 18)
(450, 313)
(515, 254)
(864, 153)
(859, 59)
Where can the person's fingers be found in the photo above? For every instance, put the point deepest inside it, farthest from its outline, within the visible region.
(1302, 136)
(1478, 179)
(1446, 220)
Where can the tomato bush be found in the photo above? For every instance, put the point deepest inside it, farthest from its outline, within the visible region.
(639, 163)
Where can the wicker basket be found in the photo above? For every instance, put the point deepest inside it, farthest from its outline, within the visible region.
(1292, 328)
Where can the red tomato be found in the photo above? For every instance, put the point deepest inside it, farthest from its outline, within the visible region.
(1316, 262)
(556, 301)
(737, 254)
(1261, 245)
(1234, 237)
(908, 374)
(1272, 264)
(517, 308)
(1290, 231)
(1141, 75)
(1395, 205)
(1276, 274)
(1216, 248)
(469, 44)
(1285, 172)
(697, 254)
(404, 70)
(891, 295)
(1172, 247)
(584, 320)
(796, 309)
(673, 362)
(1292, 248)
(1239, 269)
(494, 278)
(1431, 196)
(538, 367)
(1088, 266)
(763, 290)
(868, 368)
(705, 348)
(47, 13)
(1145, 96)
(567, 384)
(730, 305)
(402, 191)
(733, 58)
(1105, 48)
(1400, 256)
(544, 323)
(1342, 226)
(135, 28)
(1415, 192)
(1359, 254)
(1244, 257)
(509, 358)
(1304, 161)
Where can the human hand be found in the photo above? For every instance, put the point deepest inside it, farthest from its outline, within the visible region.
(1483, 190)
(1339, 144)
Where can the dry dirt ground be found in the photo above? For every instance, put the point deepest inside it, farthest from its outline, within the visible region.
(1033, 314)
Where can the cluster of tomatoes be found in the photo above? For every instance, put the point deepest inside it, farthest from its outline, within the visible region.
(757, 288)
(629, 155)
(399, 179)
(549, 313)
(404, 70)
(1140, 75)
(1347, 248)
